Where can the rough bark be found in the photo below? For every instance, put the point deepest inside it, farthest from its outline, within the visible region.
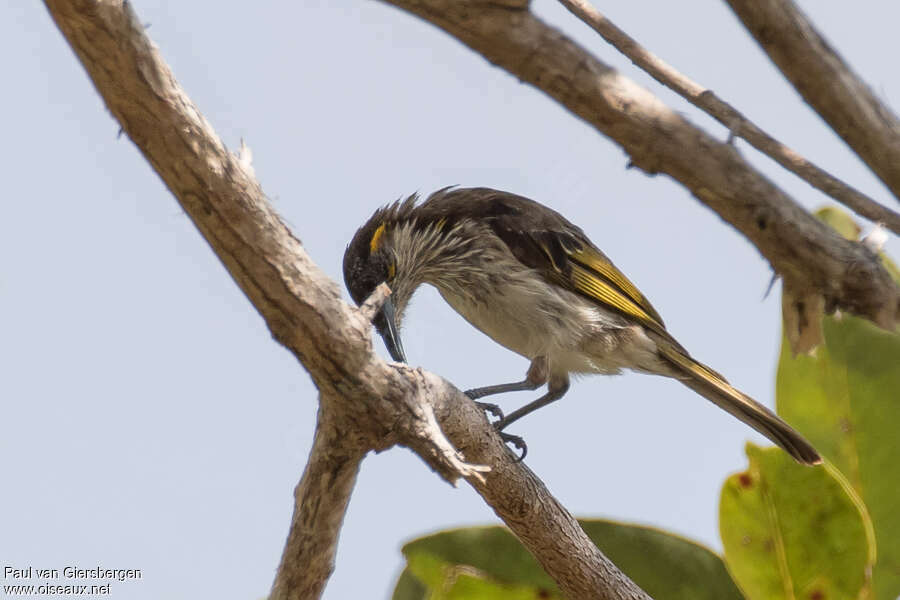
(320, 501)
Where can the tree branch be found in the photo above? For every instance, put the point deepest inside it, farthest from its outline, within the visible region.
(810, 257)
(827, 83)
(320, 501)
(365, 403)
(522, 500)
(738, 125)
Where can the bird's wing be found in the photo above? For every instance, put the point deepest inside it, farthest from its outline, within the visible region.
(594, 273)
(562, 254)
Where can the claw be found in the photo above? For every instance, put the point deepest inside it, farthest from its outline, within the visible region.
(491, 408)
(516, 441)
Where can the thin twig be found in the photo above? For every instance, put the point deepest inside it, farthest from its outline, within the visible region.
(737, 124)
(827, 83)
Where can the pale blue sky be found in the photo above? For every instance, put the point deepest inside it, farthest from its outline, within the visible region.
(149, 420)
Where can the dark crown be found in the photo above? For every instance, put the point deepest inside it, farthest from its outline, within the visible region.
(365, 261)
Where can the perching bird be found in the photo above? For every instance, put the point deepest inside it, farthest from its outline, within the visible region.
(533, 282)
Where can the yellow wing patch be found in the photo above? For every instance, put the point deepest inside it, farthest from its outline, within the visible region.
(588, 283)
(591, 260)
(376, 238)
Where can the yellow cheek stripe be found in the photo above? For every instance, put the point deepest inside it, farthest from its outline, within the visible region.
(392, 270)
(376, 238)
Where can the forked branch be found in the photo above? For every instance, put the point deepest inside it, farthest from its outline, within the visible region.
(737, 124)
(365, 403)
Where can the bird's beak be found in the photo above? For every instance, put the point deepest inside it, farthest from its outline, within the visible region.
(386, 324)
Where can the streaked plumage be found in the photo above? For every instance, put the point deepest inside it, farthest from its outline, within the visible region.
(533, 282)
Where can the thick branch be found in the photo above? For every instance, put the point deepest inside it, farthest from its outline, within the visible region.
(737, 124)
(806, 253)
(365, 403)
(827, 83)
(320, 501)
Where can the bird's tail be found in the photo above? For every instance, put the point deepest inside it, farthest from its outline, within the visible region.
(714, 387)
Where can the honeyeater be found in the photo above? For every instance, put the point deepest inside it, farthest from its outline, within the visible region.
(533, 282)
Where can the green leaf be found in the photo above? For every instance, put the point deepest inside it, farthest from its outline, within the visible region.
(491, 553)
(489, 562)
(846, 400)
(666, 566)
(445, 581)
(794, 532)
(840, 221)
(409, 588)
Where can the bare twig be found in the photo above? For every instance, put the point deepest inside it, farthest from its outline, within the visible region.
(737, 124)
(807, 254)
(827, 83)
(365, 403)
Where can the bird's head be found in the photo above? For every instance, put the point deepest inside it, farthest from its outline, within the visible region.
(371, 259)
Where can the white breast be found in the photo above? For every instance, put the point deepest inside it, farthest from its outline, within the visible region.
(538, 319)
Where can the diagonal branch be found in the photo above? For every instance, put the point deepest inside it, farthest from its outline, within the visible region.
(320, 501)
(810, 257)
(827, 83)
(365, 403)
(737, 124)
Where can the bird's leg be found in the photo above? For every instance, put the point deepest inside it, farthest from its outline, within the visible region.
(538, 374)
(555, 390)
(535, 378)
(490, 407)
(502, 388)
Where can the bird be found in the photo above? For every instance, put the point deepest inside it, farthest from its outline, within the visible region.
(534, 283)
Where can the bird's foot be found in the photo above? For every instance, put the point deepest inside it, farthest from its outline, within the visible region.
(516, 441)
(492, 409)
(500, 423)
(487, 407)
